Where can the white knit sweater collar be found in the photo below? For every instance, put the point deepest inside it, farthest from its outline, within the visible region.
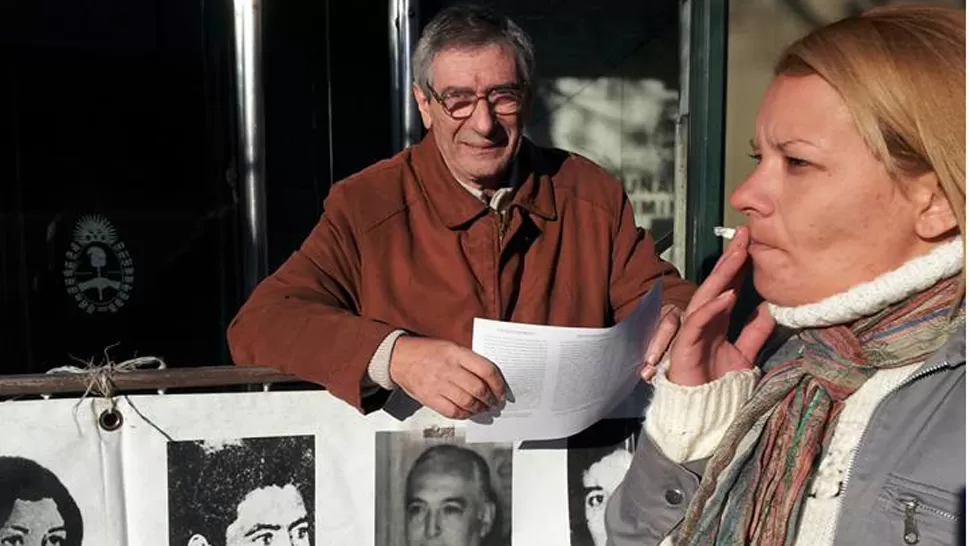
(873, 296)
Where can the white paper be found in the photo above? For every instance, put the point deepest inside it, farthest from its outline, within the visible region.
(561, 380)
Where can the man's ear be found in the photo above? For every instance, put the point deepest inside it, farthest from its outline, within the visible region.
(424, 105)
(487, 518)
(935, 217)
(198, 540)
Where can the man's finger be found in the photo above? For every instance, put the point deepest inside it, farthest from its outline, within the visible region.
(666, 330)
(486, 371)
(463, 399)
(754, 335)
(472, 386)
(647, 373)
(447, 408)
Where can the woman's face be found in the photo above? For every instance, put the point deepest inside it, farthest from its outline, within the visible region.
(824, 213)
(34, 523)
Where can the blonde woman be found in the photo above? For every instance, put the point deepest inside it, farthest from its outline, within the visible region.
(852, 430)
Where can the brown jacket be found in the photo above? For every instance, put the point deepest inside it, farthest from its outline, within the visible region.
(401, 245)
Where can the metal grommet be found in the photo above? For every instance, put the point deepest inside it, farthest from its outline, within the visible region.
(110, 419)
(674, 496)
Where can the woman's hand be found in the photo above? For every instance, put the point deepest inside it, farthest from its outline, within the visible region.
(700, 352)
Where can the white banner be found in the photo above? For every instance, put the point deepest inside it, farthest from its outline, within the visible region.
(291, 468)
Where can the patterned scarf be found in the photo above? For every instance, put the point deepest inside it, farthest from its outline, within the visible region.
(755, 483)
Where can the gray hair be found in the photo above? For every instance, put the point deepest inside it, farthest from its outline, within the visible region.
(452, 459)
(471, 26)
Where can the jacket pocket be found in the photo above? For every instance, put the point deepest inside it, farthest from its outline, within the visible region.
(922, 514)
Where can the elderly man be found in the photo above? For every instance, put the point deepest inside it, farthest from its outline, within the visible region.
(474, 221)
(450, 500)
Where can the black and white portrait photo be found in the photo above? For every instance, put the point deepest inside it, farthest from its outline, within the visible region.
(433, 489)
(597, 460)
(243, 491)
(35, 507)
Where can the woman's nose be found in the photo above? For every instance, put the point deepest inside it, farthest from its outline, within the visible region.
(751, 196)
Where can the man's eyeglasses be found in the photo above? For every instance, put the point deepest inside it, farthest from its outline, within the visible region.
(460, 105)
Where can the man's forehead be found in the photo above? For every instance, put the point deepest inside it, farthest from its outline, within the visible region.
(443, 484)
(474, 68)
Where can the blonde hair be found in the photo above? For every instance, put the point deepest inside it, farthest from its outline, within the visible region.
(901, 70)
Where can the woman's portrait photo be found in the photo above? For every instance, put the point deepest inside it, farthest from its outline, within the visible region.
(35, 507)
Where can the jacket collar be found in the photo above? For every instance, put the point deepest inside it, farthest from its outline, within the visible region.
(457, 207)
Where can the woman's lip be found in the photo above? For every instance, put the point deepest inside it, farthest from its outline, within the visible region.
(756, 246)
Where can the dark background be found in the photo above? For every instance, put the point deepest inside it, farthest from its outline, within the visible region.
(127, 110)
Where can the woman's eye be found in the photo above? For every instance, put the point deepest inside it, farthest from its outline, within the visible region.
(755, 157)
(795, 163)
(12, 540)
(595, 499)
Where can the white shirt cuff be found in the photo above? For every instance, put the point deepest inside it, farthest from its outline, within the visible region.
(379, 368)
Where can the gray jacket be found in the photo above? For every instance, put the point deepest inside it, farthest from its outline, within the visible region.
(907, 484)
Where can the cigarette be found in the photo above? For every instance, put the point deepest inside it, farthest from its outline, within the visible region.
(724, 232)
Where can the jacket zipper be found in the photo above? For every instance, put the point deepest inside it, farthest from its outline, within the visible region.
(855, 450)
(502, 226)
(910, 529)
(911, 505)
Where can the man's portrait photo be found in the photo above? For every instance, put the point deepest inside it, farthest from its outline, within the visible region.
(596, 461)
(435, 490)
(244, 491)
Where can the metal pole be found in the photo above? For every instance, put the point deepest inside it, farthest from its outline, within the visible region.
(252, 165)
(394, 54)
(679, 248)
(705, 170)
(403, 29)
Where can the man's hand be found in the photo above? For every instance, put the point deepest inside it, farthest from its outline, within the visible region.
(448, 378)
(666, 330)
